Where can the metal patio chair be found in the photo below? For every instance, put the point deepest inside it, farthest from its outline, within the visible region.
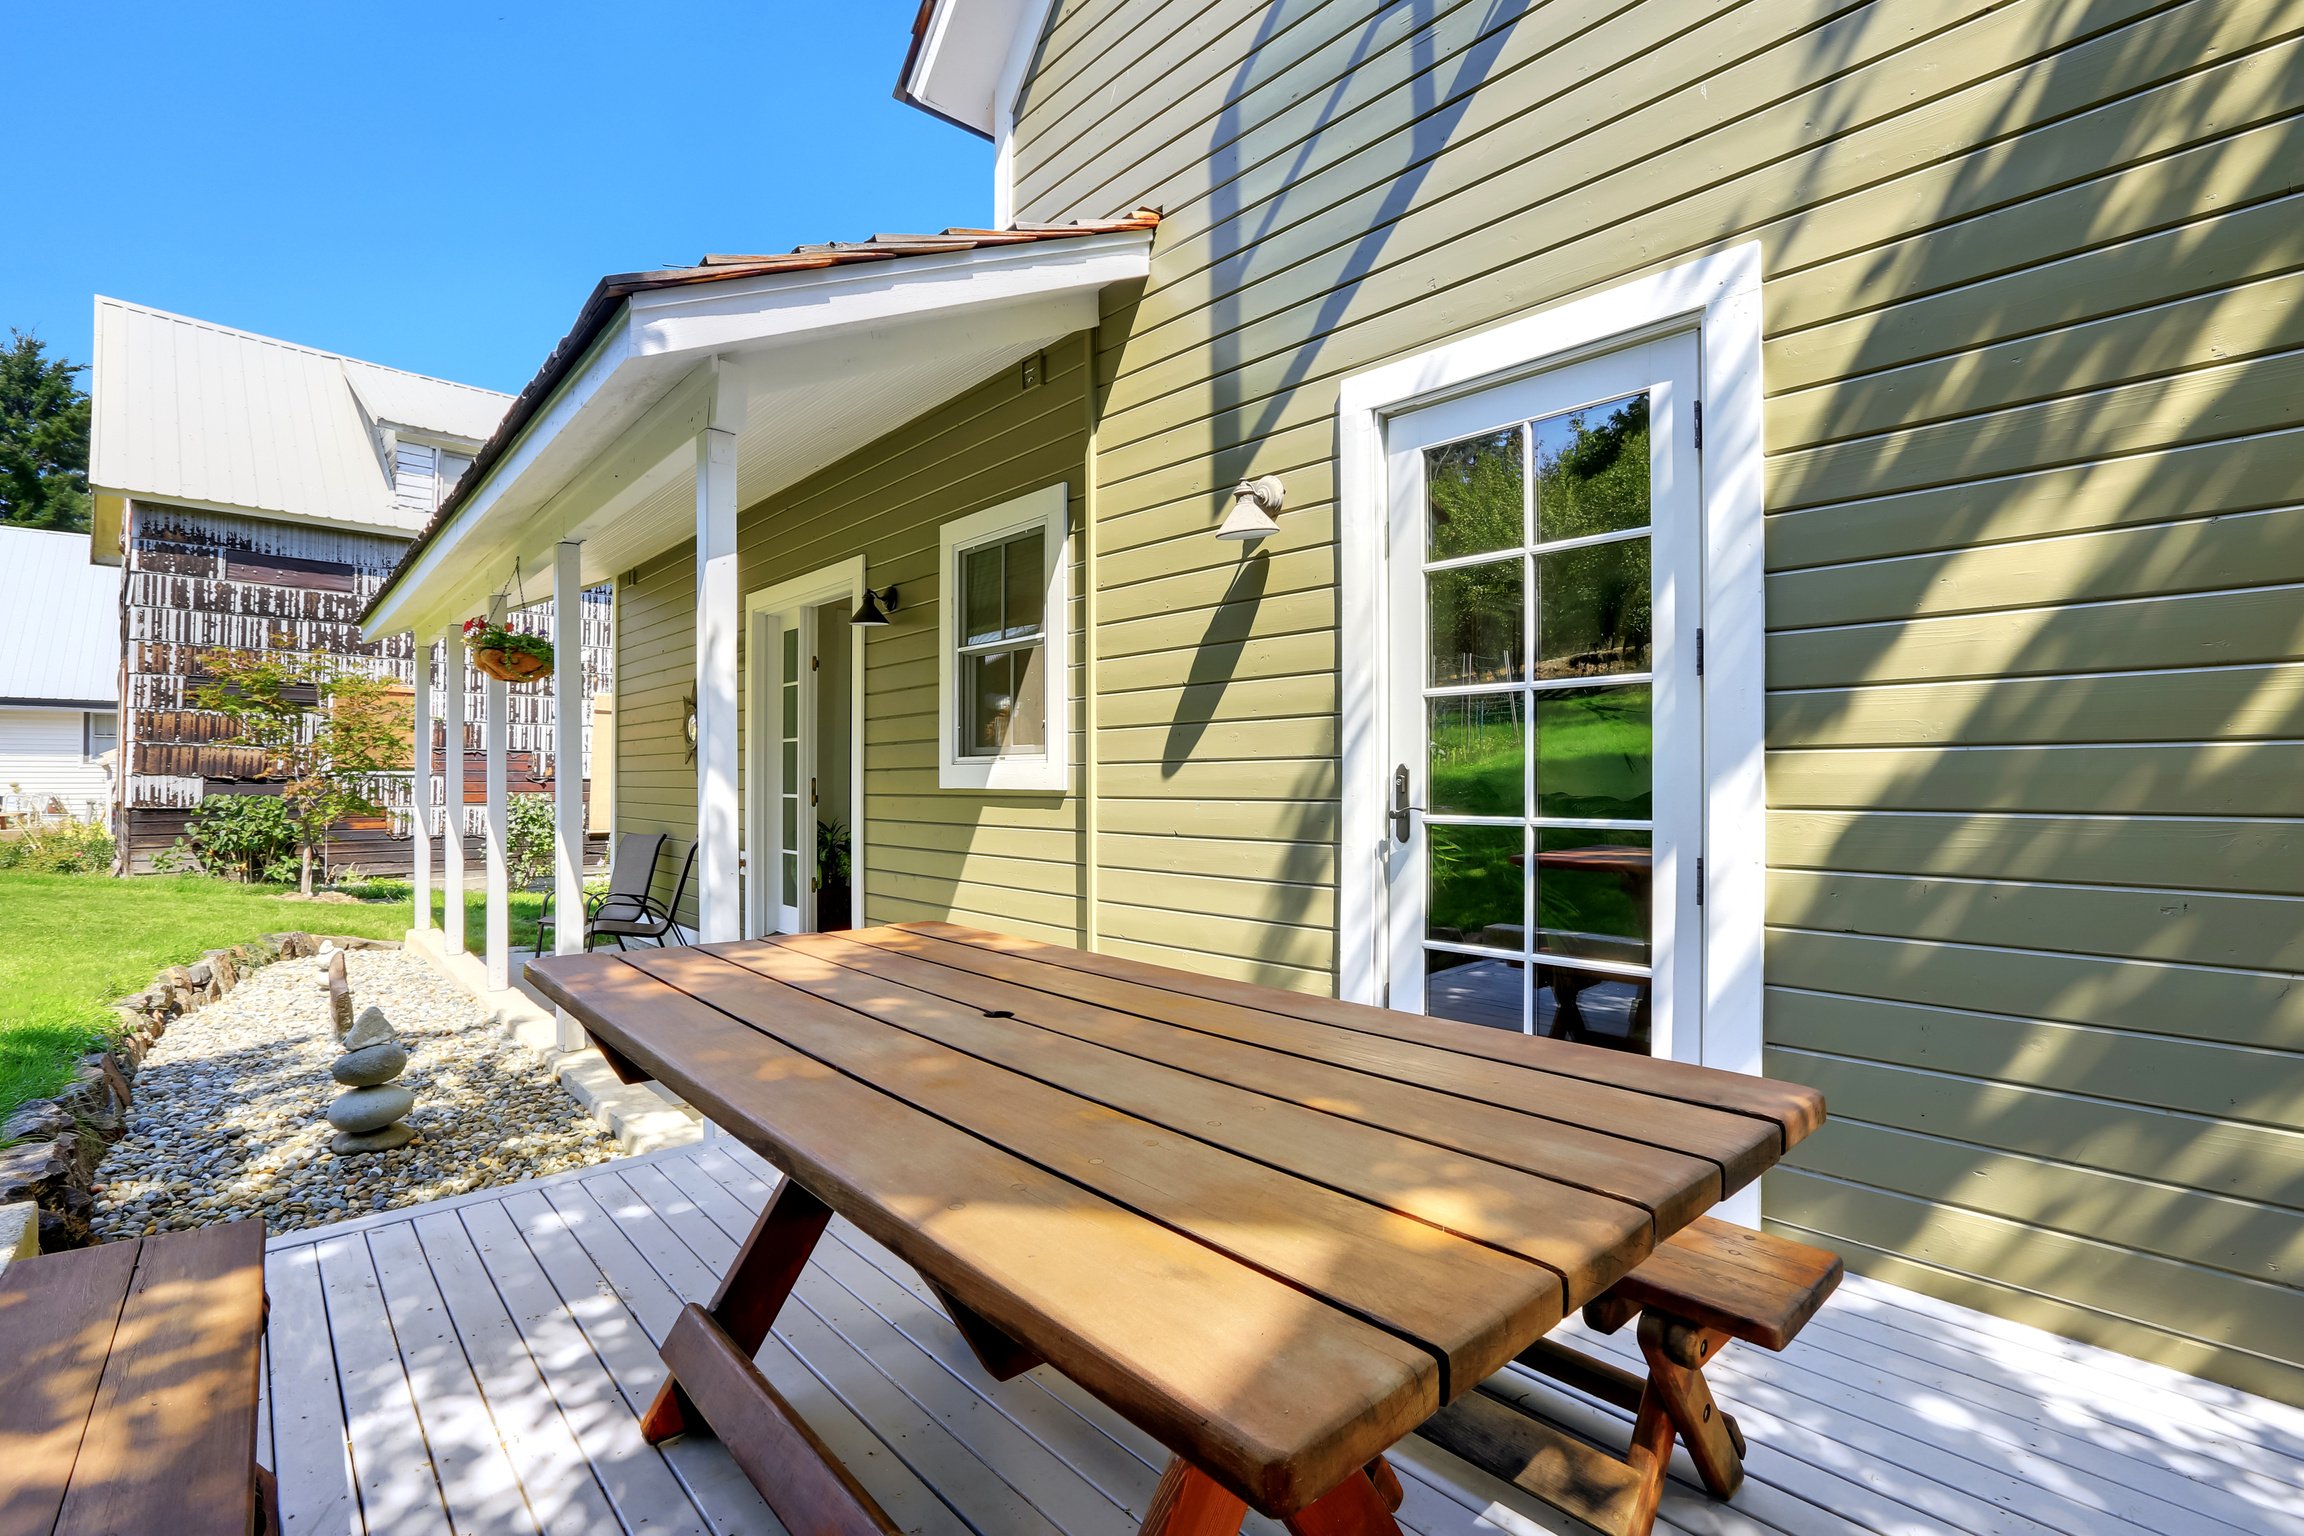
(625, 909)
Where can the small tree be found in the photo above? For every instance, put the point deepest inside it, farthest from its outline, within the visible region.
(326, 731)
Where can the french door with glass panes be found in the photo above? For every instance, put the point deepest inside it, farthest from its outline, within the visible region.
(1544, 719)
(787, 787)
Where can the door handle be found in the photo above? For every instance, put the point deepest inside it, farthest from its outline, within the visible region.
(1402, 812)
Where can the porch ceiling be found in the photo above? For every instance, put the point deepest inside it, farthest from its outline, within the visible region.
(805, 359)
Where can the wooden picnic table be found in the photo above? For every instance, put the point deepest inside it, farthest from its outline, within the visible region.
(1276, 1232)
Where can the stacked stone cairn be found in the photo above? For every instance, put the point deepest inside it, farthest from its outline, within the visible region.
(370, 1116)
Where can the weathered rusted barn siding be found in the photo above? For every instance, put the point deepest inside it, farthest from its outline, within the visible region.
(197, 581)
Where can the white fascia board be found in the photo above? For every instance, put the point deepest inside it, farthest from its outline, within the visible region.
(454, 548)
(964, 57)
(756, 314)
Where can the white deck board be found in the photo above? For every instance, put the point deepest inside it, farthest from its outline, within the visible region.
(479, 1365)
(469, 1457)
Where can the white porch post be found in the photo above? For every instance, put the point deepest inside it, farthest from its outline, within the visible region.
(568, 763)
(452, 685)
(495, 733)
(420, 786)
(720, 892)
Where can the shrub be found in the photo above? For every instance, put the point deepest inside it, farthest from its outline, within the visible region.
(528, 848)
(243, 837)
(60, 847)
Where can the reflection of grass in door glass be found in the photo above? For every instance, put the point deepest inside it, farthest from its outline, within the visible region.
(1475, 883)
(1594, 753)
(1479, 755)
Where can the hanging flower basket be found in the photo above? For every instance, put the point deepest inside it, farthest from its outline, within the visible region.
(507, 655)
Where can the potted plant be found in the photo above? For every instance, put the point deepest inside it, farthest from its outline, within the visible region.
(506, 654)
(833, 898)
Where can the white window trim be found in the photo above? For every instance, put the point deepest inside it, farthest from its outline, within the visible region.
(1039, 773)
(1719, 297)
(88, 752)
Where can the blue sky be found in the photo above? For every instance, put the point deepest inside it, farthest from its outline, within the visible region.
(437, 186)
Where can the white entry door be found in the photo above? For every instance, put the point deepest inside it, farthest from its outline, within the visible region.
(1544, 719)
(788, 706)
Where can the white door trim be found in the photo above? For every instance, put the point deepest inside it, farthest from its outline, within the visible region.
(840, 581)
(1719, 297)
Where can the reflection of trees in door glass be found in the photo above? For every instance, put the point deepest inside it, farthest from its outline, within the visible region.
(1592, 471)
(1593, 603)
(1476, 492)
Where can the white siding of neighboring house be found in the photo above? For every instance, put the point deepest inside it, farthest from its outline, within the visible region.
(43, 757)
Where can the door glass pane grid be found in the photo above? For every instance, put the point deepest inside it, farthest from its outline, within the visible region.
(1538, 717)
(788, 784)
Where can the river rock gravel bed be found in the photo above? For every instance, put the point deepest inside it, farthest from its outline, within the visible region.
(227, 1119)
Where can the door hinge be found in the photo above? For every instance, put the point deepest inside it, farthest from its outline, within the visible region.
(1699, 653)
(1699, 882)
(1698, 412)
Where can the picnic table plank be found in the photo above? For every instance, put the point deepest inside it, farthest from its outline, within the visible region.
(1741, 1145)
(171, 1437)
(1196, 1348)
(1672, 1185)
(1468, 1303)
(1794, 1109)
(58, 1316)
(1583, 1237)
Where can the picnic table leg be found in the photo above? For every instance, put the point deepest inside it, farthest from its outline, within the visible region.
(751, 1293)
(1676, 1352)
(1358, 1506)
(1189, 1503)
(1387, 1483)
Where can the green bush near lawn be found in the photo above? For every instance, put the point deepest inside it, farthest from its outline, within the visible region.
(70, 944)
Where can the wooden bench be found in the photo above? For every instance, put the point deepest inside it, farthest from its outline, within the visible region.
(1711, 1282)
(132, 1397)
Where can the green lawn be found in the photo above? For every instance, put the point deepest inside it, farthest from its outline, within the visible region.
(70, 944)
(1594, 761)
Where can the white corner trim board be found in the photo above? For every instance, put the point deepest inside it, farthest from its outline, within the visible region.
(1718, 297)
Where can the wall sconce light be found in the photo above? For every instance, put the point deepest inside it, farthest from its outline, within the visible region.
(1254, 503)
(872, 613)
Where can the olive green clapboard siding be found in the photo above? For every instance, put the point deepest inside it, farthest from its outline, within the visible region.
(1001, 861)
(2034, 315)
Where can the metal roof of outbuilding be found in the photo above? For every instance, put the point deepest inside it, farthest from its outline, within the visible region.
(195, 413)
(59, 621)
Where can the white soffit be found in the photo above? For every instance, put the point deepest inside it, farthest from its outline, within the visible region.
(820, 362)
(962, 63)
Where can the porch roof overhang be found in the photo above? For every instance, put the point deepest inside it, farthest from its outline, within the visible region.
(805, 358)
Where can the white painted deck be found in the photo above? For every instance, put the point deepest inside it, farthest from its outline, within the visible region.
(478, 1365)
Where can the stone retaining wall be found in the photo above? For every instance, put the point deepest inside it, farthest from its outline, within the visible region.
(56, 1143)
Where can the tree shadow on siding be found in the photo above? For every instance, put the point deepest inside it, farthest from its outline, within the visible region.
(1439, 94)
(2028, 913)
